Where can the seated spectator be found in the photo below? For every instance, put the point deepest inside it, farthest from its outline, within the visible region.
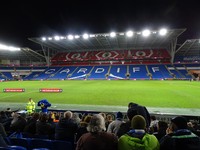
(83, 127)
(97, 138)
(43, 128)
(56, 119)
(137, 138)
(66, 128)
(18, 123)
(142, 110)
(76, 118)
(109, 119)
(161, 130)
(179, 137)
(2, 130)
(114, 126)
(125, 127)
(3, 117)
(30, 128)
(154, 124)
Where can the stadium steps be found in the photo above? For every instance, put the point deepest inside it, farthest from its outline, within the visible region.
(109, 69)
(170, 73)
(90, 72)
(188, 74)
(148, 72)
(52, 75)
(69, 75)
(179, 72)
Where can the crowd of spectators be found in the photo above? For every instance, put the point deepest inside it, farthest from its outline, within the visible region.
(135, 130)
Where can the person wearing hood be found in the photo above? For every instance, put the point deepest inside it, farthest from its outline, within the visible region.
(137, 138)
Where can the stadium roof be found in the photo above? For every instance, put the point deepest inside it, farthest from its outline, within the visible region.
(104, 41)
(25, 54)
(190, 47)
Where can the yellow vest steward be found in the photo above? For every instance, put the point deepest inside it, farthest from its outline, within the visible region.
(30, 106)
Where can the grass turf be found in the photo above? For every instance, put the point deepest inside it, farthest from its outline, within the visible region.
(173, 94)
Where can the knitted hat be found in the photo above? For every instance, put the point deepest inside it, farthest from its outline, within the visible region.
(180, 122)
(119, 115)
(138, 122)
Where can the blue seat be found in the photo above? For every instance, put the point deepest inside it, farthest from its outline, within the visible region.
(41, 143)
(40, 149)
(5, 148)
(24, 142)
(62, 145)
(13, 148)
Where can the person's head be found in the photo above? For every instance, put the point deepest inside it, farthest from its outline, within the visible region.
(130, 104)
(30, 99)
(178, 123)
(138, 122)
(68, 114)
(96, 124)
(86, 120)
(119, 115)
(43, 117)
(131, 113)
(35, 116)
(162, 125)
(153, 118)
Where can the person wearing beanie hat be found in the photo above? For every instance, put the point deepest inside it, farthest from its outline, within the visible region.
(119, 115)
(137, 138)
(125, 127)
(114, 126)
(179, 137)
(180, 122)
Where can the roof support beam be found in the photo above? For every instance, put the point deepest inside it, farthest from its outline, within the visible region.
(173, 45)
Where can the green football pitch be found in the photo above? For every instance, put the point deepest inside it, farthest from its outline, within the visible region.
(164, 94)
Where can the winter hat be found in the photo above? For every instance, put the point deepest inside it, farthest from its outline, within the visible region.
(138, 122)
(180, 122)
(119, 115)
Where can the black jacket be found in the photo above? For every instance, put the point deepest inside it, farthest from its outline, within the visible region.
(180, 140)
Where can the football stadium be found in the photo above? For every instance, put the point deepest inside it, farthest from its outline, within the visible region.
(104, 72)
(76, 76)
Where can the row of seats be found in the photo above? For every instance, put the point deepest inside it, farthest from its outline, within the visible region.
(35, 143)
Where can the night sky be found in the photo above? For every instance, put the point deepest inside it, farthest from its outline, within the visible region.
(21, 20)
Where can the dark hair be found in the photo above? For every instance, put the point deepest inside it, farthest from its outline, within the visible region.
(131, 113)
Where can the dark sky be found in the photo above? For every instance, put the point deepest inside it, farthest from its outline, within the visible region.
(36, 18)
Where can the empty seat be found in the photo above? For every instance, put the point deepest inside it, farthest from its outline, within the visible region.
(62, 145)
(40, 143)
(24, 142)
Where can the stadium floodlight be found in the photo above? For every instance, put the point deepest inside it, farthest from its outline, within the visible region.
(62, 37)
(112, 34)
(92, 35)
(85, 36)
(76, 36)
(9, 48)
(163, 32)
(70, 37)
(44, 39)
(129, 33)
(57, 38)
(146, 33)
(49, 38)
